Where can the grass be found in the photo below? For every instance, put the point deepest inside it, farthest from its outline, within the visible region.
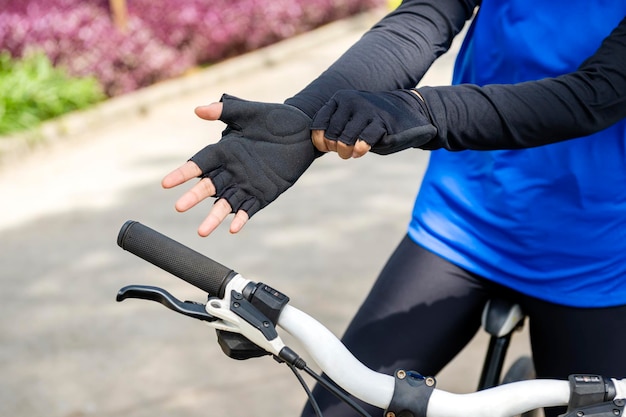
(32, 90)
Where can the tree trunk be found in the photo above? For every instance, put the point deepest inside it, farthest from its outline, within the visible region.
(119, 10)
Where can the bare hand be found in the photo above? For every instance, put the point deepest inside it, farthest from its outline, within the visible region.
(203, 188)
(344, 151)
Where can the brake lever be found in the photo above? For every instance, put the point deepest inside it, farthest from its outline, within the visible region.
(186, 308)
(243, 318)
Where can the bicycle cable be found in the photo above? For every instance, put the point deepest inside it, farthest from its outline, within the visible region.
(336, 392)
(312, 400)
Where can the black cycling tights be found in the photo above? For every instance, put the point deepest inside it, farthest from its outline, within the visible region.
(423, 310)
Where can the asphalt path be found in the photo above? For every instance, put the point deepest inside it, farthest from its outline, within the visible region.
(68, 349)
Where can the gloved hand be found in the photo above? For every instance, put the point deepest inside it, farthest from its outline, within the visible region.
(263, 151)
(387, 121)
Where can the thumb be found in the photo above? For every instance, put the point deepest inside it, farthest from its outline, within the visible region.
(211, 112)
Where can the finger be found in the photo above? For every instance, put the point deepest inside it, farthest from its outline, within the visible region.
(344, 150)
(321, 119)
(203, 189)
(216, 216)
(360, 148)
(339, 121)
(373, 132)
(331, 145)
(352, 130)
(239, 221)
(317, 136)
(181, 174)
(211, 112)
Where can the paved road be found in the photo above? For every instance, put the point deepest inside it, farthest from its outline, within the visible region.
(67, 349)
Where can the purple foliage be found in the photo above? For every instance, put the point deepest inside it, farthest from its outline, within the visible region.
(211, 30)
(163, 38)
(81, 37)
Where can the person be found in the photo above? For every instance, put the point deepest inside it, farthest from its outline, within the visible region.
(508, 207)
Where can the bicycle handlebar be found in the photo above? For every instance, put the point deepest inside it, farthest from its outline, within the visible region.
(378, 389)
(326, 349)
(336, 360)
(175, 258)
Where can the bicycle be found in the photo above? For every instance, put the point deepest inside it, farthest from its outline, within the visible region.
(246, 315)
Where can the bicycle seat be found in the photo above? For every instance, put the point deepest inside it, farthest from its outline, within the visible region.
(500, 317)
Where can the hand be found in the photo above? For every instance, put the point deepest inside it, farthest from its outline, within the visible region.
(355, 122)
(263, 151)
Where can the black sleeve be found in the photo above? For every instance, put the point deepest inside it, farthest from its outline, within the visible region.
(394, 54)
(537, 112)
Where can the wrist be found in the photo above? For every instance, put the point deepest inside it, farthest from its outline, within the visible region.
(302, 104)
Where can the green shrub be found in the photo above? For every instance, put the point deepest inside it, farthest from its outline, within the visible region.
(32, 90)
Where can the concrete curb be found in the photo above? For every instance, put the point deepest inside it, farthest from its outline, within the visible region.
(137, 103)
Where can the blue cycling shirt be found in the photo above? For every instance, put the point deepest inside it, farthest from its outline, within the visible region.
(549, 222)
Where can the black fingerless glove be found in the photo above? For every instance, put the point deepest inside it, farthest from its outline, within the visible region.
(388, 121)
(263, 151)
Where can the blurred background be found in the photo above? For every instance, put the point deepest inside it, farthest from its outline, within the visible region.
(60, 55)
(67, 349)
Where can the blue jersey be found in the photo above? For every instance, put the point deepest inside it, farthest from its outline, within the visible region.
(549, 222)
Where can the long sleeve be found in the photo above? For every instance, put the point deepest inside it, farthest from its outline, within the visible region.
(394, 54)
(537, 112)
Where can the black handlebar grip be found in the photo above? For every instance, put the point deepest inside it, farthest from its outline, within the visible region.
(174, 257)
